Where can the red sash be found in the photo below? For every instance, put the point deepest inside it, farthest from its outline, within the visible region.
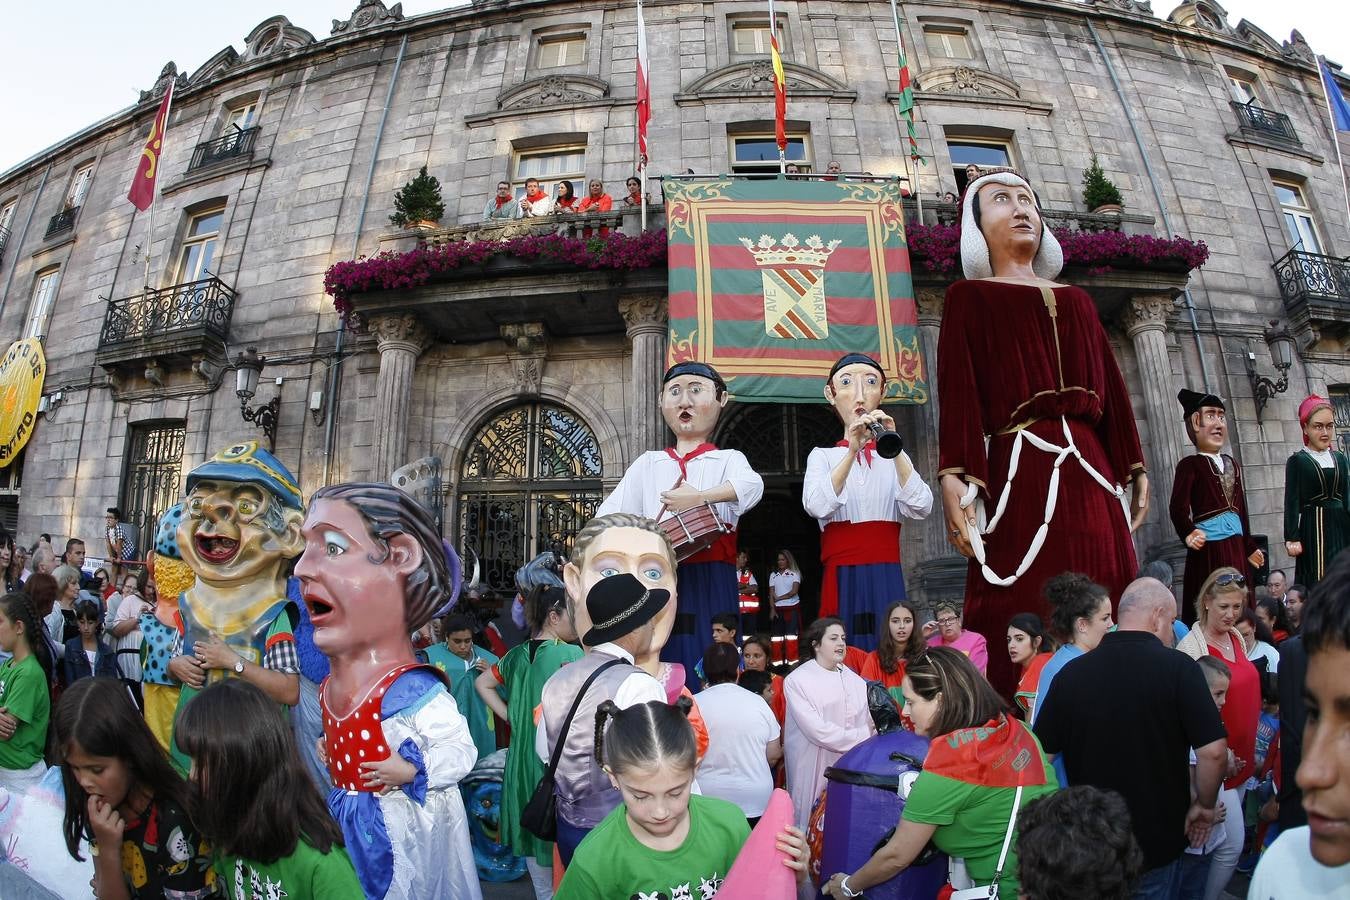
(999, 753)
(722, 550)
(853, 544)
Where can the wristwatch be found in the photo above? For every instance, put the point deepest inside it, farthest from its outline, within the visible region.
(239, 666)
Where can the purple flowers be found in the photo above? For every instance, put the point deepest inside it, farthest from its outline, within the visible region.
(937, 248)
(390, 271)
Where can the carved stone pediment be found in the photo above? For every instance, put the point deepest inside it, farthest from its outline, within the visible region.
(1142, 7)
(967, 81)
(1256, 37)
(1298, 48)
(553, 90)
(369, 13)
(1204, 15)
(755, 76)
(167, 75)
(275, 35)
(216, 66)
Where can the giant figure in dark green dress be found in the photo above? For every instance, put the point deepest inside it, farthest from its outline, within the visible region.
(1316, 495)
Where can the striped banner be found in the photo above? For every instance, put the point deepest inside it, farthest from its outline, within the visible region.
(773, 280)
(905, 105)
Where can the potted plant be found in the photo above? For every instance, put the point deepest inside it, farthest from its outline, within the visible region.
(1099, 194)
(418, 203)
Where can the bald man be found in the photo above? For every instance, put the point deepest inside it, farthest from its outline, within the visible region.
(1124, 718)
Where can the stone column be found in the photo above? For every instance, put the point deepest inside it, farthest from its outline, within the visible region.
(645, 316)
(1145, 321)
(938, 570)
(401, 338)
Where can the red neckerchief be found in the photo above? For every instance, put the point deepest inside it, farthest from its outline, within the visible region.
(568, 203)
(999, 753)
(635, 199)
(501, 202)
(684, 460)
(535, 198)
(865, 452)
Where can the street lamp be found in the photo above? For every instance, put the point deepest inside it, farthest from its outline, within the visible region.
(1281, 344)
(248, 367)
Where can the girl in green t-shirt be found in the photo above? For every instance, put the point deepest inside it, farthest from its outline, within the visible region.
(660, 841)
(25, 698)
(125, 798)
(255, 802)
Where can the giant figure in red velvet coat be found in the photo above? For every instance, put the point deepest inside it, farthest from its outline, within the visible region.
(1037, 438)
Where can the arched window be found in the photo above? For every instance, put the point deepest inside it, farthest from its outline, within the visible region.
(530, 480)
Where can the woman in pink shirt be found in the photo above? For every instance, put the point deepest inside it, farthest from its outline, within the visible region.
(950, 634)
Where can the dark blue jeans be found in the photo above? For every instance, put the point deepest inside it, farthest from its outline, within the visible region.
(1161, 883)
(1193, 873)
(569, 836)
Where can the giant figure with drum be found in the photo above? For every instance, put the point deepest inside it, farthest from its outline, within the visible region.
(697, 492)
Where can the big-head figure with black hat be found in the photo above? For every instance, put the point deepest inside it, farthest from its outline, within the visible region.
(859, 498)
(1209, 506)
(694, 472)
(625, 610)
(1025, 371)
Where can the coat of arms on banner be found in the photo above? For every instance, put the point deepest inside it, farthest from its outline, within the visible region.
(794, 285)
(771, 280)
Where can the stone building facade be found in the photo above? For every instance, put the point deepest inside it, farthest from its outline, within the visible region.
(535, 387)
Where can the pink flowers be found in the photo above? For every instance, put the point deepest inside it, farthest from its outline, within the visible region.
(390, 271)
(937, 248)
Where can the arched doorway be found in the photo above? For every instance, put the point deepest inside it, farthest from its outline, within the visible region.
(529, 481)
(776, 439)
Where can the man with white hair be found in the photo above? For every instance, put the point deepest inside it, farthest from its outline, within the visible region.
(1030, 395)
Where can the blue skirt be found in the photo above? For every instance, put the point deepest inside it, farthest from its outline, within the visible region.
(864, 593)
(704, 590)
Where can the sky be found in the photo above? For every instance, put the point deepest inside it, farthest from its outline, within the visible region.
(66, 64)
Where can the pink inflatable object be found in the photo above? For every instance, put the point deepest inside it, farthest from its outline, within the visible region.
(758, 872)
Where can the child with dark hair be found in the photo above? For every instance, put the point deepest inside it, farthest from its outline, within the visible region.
(1314, 860)
(463, 661)
(661, 841)
(1030, 647)
(123, 795)
(1270, 611)
(724, 627)
(1077, 843)
(88, 654)
(25, 694)
(1193, 871)
(254, 801)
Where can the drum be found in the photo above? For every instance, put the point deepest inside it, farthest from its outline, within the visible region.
(693, 530)
(864, 798)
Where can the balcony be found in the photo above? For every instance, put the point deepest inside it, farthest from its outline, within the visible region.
(183, 323)
(1253, 121)
(1316, 291)
(4, 239)
(236, 145)
(62, 221)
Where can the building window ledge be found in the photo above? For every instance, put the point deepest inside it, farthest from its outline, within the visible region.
(1260, 142)
(212, 173)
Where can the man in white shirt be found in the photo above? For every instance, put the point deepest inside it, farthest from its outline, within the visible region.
(1314, 860)
(535, 203)
(858, 499)
(661, 483)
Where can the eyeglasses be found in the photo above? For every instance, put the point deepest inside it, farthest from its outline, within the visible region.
(1228, 578)
(950, 620)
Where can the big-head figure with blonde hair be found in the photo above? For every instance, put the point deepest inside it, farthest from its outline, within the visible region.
(1037, 437)
(373, 571)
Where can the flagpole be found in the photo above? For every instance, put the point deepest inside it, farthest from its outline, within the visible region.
(780, 125)
(150, 240)
(638, 126)
(1322, 74)
(905, 147)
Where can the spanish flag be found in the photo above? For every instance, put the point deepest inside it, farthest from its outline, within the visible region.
(142, 192)
(779, 85)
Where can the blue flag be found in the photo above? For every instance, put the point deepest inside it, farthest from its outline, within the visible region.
(1340, 107)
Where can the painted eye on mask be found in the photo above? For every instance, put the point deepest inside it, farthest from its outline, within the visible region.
(608, 572)
(653, 573)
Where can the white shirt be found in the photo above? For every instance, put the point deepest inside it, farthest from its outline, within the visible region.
(639, 687)
(871, 493)
(654, 472)
(540, 207)
(1262, 650)
(1323, 457)
(740, 728)
(783, 582)
(129, 607)
(1287, 871)
(1216, 458)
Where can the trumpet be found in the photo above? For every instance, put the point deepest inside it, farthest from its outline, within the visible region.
(889, 443)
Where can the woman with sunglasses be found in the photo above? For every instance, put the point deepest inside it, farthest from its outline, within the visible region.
(1218, 606)
(981, 761)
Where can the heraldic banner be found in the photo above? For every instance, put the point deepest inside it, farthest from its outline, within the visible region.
(772, 280)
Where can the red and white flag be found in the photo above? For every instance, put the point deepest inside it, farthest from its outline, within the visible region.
(142, 192)
(644, 92)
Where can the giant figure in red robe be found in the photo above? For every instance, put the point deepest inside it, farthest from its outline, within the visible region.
(1037, 439)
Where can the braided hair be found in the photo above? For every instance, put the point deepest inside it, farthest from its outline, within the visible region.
(645, 735)
(18, 607)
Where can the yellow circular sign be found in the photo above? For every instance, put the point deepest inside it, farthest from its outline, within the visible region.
(21, 374)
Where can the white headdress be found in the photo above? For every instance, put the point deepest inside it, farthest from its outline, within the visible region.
(975, 250)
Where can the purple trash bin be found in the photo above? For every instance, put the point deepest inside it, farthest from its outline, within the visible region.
(863, 806)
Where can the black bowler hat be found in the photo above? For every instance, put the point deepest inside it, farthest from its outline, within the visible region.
(1194, 401)
(620, 605)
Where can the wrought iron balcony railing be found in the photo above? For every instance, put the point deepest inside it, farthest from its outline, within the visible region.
(62, 221)
(4, 239)
(238, 144)
(1260, 122)
(197, 306)
(1313, 278)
